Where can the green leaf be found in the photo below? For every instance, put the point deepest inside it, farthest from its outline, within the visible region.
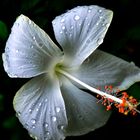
(10, 122)
(134, 91)
(134, 33)
(1, 102)
(3, 30)
(28, 4)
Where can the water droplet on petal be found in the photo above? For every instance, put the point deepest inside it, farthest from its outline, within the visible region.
(62, 20)
(34, 38)
(80, 117)
(71, 27)
(53, 118)
(17, 51)
(90, 8)
(40, 104)
(100, 17)
(30, 110)
(97, 23)
(80, 24)
(18, 114)
(100, 11)
(57, 109)
(30, 22)
(76, 17)
(63, 27)
(89, 11)
(103, 24)
(70, 34)
(61, 32)
(26, 125)
(61, 127)
(45, 125)
(33, 126)
(99, 41)
(31, 46)
(34, 137)
(33, 121)
(47, 132)
(107, 25)
(46, 100)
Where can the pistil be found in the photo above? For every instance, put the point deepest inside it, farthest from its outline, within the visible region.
(124, 103)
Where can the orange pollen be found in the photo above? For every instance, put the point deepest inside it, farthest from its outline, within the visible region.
(128, 104)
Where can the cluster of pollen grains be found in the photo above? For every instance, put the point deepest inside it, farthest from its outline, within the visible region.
(129, 103)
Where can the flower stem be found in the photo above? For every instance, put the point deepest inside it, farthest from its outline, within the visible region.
(118, 100)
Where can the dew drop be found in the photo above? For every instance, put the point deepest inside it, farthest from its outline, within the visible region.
(62, 20)
(97, 23)
(47, 135)
(100, 17)
(76, 17)
(30, 110)
(31, 46)
(54, 22)
(71, 27)
(46, 100)
(17, 51)
(100, 11)
(37, 109)
(33, 121)
(99, 41)
(14, 75)
(34, 137)
(30, 22)
(57, 109)
(80, 24)
(80, 117)
(103, 24)
(89, 11)
(61, 127)
(34, 38)
(70, 34)
(45, 125)
(18, 114)
(26, 125)
(61, 32)
(33, 126)
(53, 118)
(90, 8)
(63, 27)
(107, 25)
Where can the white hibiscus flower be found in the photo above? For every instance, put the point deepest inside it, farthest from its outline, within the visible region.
(52, 105)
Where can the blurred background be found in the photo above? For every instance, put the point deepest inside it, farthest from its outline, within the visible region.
(122, 40)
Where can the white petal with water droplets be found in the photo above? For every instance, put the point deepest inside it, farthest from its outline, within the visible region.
(29, 50)
(85, 28)
(42, 118)
(83, 112)
(102, 69)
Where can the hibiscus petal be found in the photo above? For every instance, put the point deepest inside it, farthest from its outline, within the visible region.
(102, 69)
(83, 112)
(29, 50)
(80, 31)
(40, 108)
